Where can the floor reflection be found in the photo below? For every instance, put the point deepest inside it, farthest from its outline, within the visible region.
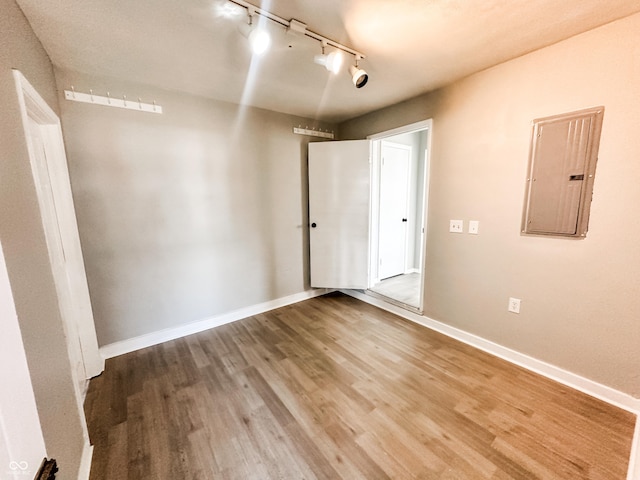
(403, 288)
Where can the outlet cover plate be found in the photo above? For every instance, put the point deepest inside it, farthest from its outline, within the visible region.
(455, 226)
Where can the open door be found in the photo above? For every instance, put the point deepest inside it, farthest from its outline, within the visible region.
(394, 200)
(339, 209)
(22, 445)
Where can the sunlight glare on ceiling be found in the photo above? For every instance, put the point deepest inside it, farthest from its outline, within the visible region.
(226, 9)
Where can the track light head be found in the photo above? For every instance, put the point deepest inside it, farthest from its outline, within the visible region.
(259, 39)
(332, 61)
(358, 76)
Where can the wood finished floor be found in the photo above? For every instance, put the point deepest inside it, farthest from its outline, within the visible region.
(333, 388)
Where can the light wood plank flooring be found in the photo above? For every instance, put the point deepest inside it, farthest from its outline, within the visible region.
(333, 388)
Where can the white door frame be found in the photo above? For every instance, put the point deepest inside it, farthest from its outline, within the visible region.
(34, 110)
(417, 126)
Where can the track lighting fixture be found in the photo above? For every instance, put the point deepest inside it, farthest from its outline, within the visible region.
(358, 76)
(259, 39)
(332, 61)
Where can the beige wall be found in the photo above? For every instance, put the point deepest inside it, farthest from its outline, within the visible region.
(186, 215)
(580, 298)
(25, 249)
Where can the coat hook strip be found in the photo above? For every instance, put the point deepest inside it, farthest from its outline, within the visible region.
(110, 101)
(312, 132)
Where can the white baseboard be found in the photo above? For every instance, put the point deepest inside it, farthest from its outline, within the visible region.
(595, 389)
(154, 338)
(85, 462)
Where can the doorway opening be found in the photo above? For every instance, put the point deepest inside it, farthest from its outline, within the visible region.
(399, 197)
(368, 214)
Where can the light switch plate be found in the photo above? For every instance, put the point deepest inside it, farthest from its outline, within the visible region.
(474, 225)
(455, 226)
(514, 305)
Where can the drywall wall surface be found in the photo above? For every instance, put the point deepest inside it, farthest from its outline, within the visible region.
(580, 302)
(184, 215)
(25, 249)
(405, 113)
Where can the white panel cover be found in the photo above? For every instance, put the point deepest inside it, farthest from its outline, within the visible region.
(339, 192)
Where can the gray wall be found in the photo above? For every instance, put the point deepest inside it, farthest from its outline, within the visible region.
(580, 301)
(26, 251)
(186, 215)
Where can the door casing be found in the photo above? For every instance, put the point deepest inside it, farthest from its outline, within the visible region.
(45, 146)
(375, 148)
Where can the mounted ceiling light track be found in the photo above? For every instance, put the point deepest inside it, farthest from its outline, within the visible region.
(259, 41)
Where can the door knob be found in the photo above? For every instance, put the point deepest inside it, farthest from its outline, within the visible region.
(404, 219)
(313, 225)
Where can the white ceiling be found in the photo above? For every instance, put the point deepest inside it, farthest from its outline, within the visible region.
(412, 46)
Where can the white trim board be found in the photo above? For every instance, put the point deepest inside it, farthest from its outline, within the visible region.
(85, 462)
(154, 338)
(595, 389)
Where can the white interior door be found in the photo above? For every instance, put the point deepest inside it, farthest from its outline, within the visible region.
(339, 209)
(22, 445)
(394, 196)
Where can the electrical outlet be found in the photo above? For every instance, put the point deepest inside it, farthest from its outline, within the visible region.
(474, 225)
(514, 305)
(455, 226)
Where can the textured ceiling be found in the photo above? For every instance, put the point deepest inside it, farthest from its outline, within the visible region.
(412, 46)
